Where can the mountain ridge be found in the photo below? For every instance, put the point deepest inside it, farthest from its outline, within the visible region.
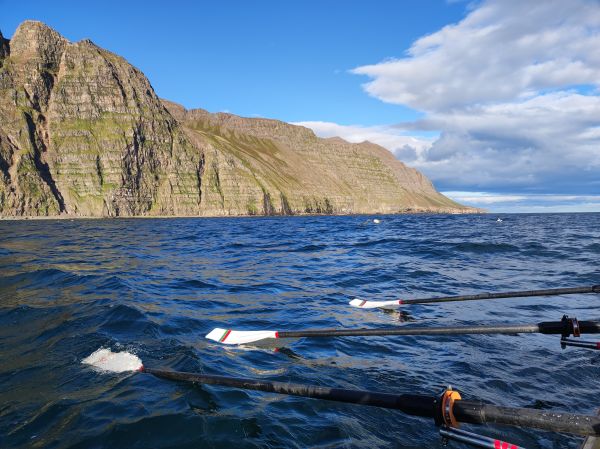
(83, 134)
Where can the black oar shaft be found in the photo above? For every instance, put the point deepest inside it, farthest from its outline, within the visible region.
(408, 403)
(550, 327)
(478, 412)
(410, 330)
(411, 404)
(517, 294)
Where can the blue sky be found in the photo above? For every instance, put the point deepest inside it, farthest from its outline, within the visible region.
(499, 113)
(279, 59)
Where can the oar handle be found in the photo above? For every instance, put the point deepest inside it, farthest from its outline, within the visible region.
(549, 327)
(412, 404)
(516, 294)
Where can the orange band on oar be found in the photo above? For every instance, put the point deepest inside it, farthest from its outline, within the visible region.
(448, 399)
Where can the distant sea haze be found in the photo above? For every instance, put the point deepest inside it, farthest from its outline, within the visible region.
(156, 287)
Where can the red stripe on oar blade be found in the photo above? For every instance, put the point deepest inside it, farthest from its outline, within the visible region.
(362, 303)
(276, 334)
(399, 301)
(498, 444)
(598, 345)
(225, 335)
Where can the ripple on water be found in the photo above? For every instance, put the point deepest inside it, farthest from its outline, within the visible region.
(156, 287)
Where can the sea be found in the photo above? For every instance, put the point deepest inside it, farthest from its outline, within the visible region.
(156, 287)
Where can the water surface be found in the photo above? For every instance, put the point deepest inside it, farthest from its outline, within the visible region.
(156, 287)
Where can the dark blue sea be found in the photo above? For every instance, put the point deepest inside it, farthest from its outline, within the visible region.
(155, 287)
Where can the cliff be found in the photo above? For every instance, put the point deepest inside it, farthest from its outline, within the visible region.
(82, 133)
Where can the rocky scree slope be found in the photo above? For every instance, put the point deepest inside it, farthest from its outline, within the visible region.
(82, 133)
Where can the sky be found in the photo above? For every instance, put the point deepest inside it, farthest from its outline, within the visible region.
(497, 101)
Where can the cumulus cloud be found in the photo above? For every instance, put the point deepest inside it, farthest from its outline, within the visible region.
(504, 49)
(514, 92)
(549, 142)
(406, 147)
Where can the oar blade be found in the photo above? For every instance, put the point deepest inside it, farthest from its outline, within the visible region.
(364, 304)
(233, 337)
(116, 362)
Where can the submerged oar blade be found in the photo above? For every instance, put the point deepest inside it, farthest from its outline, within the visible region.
(231, 337)
(364, 304)
(116, 362)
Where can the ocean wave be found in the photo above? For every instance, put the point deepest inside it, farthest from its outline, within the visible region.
(154, 288)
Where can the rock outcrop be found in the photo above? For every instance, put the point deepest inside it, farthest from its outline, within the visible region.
(3, 48)
(82, 133)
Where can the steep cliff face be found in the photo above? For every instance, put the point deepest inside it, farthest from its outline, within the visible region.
(267, 166)
(82, 133)
(3, 48)
(115, 149)
(27, 75)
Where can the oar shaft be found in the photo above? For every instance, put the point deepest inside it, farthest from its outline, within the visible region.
(474, 439)
(516, 294)
(581, 344)
(478, 412)
(550, 327)
(411, 404)
(409, 330)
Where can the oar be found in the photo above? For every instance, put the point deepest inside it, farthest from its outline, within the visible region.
(594, 345)
(364, 304)
(447, 409)
(566, 327)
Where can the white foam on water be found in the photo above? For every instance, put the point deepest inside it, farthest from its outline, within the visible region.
(116, 362)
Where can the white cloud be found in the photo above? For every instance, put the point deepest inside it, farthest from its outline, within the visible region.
(405, 147)
(513, 89)
(502, 50)
(491, 198)
(546, 209)
(508, 202)
(550, 139)
(483, 197)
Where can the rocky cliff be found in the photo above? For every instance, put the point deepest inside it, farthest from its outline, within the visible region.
(82, 133)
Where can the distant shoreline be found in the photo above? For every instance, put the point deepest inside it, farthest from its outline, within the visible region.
(120, 217)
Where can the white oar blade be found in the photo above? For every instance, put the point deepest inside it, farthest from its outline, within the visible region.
(116, 362)
(231, 337)
(363, 304)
